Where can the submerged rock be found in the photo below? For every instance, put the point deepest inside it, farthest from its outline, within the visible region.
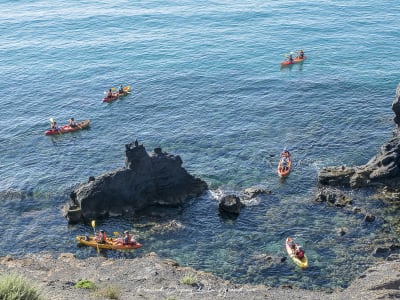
(147, 180)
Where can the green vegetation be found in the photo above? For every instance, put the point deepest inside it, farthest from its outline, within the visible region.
(189, 279)
(16, 287)
(85, 284)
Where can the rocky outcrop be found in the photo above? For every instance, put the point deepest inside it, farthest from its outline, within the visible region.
(396, 107)
(146, 180)
(382, 169)
(230, 204)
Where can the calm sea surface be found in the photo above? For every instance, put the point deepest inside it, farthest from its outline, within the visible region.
(207, 86)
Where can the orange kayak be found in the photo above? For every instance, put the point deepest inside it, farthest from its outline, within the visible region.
(285, 164)
(295, 61)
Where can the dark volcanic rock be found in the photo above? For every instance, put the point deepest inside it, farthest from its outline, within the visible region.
(231, 204)
(147, 180)
(396, 107)
(333, 196)
(383, 169)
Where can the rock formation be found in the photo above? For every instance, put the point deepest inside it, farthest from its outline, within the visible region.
(146, 180)
(231, 204)
(382, 170)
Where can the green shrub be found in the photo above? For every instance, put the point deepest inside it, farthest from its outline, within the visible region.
(189, 279)
(85, 284)
(16, 287)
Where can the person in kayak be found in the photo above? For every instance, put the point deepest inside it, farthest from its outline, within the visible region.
(290, 58)
(292, 245)
(101, 237)
(121, 89)
(301, 54)
(72, 123)
(126, 240)
(285, 163)
(300, 252)
(53, 125)
(109, 94)
(285, 152)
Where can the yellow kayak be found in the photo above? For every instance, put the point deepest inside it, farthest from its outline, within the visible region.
(291, 247)
(110, 244)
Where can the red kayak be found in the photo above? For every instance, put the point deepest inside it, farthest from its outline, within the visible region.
(285, 164)
(111, 98)
(67, 128)
(115, 96)
(296, 60)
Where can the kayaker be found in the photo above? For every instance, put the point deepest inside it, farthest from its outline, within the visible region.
(126, 240)
(109, 94)
(285, 152)
(301, 54)
(72, 123)
(53, 125)
(291, 58)
(300, 252)
(284, 163)
(121, 89)
(292, 245)
(101, 237)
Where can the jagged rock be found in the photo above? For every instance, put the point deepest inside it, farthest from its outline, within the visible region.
(396, 107)
(369, 218)
(334, 197)
(389, 195)
(147, 180)
(342, 231)
(231, 204)
(386, 250)
(252, 192)
(382, 169)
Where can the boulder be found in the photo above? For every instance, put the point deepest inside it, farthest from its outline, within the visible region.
(231, 204)
(146, 180)
(254, 191)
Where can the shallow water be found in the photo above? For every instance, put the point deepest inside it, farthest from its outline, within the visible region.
(206, 86)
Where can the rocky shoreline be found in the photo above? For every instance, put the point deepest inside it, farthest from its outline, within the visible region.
(151, 277)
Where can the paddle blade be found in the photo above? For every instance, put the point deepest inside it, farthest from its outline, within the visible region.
(93, 223)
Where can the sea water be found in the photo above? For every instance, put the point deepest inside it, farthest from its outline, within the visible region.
(206, 85)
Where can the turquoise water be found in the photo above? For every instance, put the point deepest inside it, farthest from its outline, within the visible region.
(207, 85)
